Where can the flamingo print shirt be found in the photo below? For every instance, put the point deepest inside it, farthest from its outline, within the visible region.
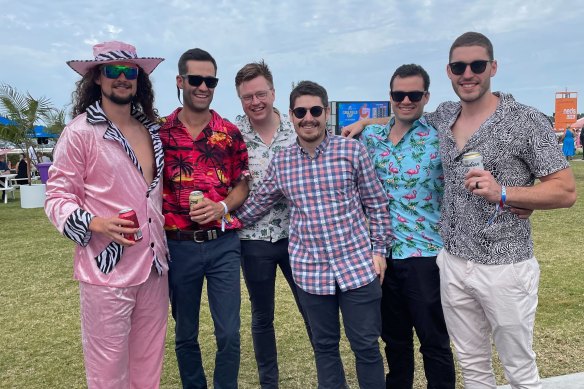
(411, 174)
(213, 163)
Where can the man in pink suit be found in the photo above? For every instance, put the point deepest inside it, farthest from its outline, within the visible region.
(109, 158)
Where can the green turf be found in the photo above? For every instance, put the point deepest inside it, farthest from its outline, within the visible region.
(40, 343)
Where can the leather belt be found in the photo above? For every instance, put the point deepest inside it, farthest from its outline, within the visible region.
(198, 236)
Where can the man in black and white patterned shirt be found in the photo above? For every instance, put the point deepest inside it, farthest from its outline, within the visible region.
(489, 275)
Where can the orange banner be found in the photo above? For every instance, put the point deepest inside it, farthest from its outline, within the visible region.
(566, 109)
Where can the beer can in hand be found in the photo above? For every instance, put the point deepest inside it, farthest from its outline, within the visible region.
(195, 197)
(473, 160)
(130, 214)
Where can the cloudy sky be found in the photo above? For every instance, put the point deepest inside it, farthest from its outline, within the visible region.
(350, 47)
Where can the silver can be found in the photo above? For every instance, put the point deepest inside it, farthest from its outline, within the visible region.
(473, 160)
(195, 197)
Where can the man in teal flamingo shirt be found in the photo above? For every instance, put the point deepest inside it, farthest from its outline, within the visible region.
(407, 162)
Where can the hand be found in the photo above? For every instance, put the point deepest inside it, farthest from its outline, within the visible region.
(113, 228)
(380, 265)
(482, 183)
(206, 211)
(353, 129)
(522, 213)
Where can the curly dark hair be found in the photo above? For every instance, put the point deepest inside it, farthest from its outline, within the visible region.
(88, 92)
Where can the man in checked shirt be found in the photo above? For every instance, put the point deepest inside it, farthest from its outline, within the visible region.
(335, 255)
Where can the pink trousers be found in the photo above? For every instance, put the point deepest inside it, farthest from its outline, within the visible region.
(123, 333)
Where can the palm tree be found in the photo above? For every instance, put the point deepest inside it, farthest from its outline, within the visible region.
(24, 112)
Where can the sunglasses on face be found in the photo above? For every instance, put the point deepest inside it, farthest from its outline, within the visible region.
(315, 111)
(114, 71)
(399, 96)
(195, 80)
(261, 95)
(477, 67)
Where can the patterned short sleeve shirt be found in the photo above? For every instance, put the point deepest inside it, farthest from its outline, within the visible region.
(411, 174)
(273, 226)
(518, 145)
(213, 163)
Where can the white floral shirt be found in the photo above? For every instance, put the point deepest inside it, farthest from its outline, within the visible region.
(273, 226)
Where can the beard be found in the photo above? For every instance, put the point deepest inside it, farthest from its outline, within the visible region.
(117, 99)
(120, 100)
(314, 135)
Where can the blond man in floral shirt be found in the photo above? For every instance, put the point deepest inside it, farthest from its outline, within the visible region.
(264, 244)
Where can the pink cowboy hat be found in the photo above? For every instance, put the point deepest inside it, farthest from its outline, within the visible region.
(114, 51)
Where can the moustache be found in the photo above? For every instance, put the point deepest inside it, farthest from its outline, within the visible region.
(309, 123)
(123, 84)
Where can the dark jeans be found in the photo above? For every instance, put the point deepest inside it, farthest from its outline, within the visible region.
(259, 260)
(362, 321)
(218, 261)
(411, 299)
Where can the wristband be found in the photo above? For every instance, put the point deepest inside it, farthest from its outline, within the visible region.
(225, 209)
(503, 195)
(225, 212)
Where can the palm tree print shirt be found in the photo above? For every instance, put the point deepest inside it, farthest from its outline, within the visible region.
(213, 163)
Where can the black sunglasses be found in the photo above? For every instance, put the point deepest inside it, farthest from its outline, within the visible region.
(195, 80)
(399, 96)
(477, 67)
(315, 111)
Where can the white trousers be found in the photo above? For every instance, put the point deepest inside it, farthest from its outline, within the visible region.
(480, 301)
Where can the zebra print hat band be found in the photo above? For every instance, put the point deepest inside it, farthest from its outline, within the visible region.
(114, 51)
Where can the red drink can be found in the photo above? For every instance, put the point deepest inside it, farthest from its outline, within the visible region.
(130, 214)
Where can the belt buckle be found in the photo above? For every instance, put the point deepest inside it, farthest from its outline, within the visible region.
(195, 236)
(211, 235)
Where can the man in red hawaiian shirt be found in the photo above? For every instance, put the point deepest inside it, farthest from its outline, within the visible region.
(206, 153)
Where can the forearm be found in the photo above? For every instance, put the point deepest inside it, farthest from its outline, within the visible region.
(237, 195)
(558, 192)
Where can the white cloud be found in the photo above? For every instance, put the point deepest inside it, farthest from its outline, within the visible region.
(351, 47)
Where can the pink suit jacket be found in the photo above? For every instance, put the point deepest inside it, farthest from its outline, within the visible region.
(95, 173)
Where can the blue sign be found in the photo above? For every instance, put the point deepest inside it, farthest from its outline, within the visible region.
(349, 112)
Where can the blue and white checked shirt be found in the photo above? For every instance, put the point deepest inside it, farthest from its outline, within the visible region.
(331, 196)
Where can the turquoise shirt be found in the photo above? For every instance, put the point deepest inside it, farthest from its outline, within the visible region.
(411, 174)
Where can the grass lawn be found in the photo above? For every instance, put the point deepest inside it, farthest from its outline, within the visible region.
(40, 343)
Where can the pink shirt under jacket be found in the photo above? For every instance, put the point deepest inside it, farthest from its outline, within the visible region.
(95, 173)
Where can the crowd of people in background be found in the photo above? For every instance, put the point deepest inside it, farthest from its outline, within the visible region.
(393, 231)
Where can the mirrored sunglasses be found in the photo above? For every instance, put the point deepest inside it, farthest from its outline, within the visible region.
(414, 96)
(315, 111)
(477, 67)
(195, 80)
(114, 71)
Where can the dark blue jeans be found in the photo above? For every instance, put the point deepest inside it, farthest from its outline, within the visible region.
(362, 320)
(259, 260)
(411, 299)
(218, 261)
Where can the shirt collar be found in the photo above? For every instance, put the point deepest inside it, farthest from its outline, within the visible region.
(320, 149)
(417, 123)
(96, 115)
(215, 124)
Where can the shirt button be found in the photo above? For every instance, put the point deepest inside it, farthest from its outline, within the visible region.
(152, 245)
(148, 195)
(149, 220)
